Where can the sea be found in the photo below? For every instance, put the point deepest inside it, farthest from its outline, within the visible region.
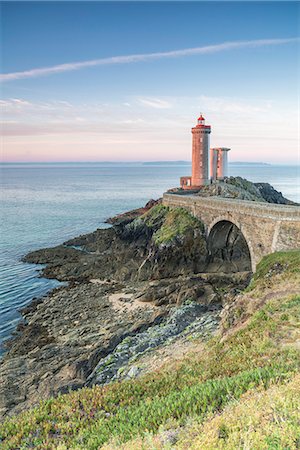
(43, 205)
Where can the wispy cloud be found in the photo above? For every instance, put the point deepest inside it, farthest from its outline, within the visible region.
(154, 103)
(163, 119)
(225, 46)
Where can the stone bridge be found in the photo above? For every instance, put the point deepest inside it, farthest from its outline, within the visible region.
(264, 227)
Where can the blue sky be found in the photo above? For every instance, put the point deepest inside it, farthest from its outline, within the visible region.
(143, 110)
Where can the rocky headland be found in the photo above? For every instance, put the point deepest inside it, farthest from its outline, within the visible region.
(241, 189)
(135, 291)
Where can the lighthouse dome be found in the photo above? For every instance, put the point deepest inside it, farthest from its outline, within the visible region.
(201, 120)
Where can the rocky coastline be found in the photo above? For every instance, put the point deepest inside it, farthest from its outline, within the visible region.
(121, 286)
(139, 288)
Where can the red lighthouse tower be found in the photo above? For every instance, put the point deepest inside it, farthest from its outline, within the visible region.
(200, 156)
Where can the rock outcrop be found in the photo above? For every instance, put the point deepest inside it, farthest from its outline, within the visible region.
(158, 244)
(270, 194)
(242, 189)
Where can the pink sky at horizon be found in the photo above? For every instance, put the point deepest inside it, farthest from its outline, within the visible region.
(145, 129)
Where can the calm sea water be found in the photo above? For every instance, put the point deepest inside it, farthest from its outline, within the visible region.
(43, 205)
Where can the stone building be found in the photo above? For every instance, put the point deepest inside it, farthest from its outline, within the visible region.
(207, 164)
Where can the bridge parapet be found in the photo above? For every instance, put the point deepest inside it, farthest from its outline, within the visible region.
(261, 209)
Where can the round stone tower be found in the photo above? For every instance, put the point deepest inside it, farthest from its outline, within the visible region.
(219, 163)
(200, 153)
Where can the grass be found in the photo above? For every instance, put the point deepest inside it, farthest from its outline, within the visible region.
(200, 388)
(177, 223)
(275, 264)
(169, 223)
(154, 217)
(277, 275)
(88, 419)
(263, 419)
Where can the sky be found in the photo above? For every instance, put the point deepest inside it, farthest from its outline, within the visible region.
(126, 81)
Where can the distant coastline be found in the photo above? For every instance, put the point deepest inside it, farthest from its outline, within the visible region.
(188, 163)
(128, 163)
(243, 163)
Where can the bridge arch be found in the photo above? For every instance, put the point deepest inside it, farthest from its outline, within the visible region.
(229, 242)
(266, 227)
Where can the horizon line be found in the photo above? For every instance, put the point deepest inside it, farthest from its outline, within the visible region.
(139, 162)
(127, 59)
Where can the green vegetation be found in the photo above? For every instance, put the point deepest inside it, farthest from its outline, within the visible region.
(261, 420)
(276, 264)
(169, 223)
(205, 396)
(155, 217)
(177, 223)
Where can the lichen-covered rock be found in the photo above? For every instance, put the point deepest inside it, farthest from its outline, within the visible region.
(66, 335)
(63, 338)
(184, 321)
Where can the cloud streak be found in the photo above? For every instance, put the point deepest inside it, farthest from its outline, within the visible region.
(128, 59)
(156, 103)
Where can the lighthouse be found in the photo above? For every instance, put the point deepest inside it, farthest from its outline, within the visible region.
(208, 165)
(200, 153)
(200, 156)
